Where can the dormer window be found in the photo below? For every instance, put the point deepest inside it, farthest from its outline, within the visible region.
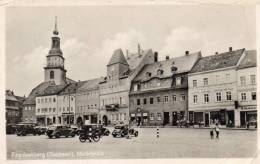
(159, 72)
(174, 69)
(148, 74)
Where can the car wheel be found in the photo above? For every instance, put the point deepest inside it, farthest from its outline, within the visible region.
(23, 134)
(57, 135)
(122, 134)
(18, 134)
(82, 138)
(96, 138)
(107, 133)
(136, 134)
(50, 136)
(114, 135)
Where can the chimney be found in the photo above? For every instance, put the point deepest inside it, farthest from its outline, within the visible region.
(216, 53)
(230, 49)
(187, 53)
(155, 56)
(167, 57)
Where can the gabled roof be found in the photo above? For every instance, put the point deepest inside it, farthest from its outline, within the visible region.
(53, 90)
(223, 60)
(38, 90)
(90, 84)
(249, 60)
(117, 57)
(183, 64)
(134, 59)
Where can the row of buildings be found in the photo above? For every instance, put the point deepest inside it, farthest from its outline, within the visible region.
(142, 90)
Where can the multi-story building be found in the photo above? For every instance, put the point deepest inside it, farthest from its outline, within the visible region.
(246, 90)
(114, 89)
(159, 93)
(213, 88)
(13, 105)
(47, 105)
(87, 102)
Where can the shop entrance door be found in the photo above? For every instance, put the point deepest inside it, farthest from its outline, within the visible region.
(231, 118)
(174, 118)
(243, 119)
(207, 119)
(166, 118)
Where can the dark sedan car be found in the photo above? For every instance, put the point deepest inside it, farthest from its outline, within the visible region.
(122, 131)
(60, 130)
(25, 129)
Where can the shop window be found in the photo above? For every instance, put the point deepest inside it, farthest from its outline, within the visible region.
(229, 96)
(159, 116)
(152, 116)
(194, 83)
(166, 98)
(218, 96)
(253, 95)
(252, 79)
(243, 96)
(151, 100)
(206, 98)
(174, 98)
(144, 101)
(195, 98)
(205, 81)
(243, 80)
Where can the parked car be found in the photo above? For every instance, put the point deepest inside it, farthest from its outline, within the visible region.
(60, 130)
(122, 131)
(24, 129)
(11, 129)
(89, 132)
(76, 129)
(41, 129)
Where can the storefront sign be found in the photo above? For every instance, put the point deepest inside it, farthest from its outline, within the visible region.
(144, 114)
(248, 107)
(132, 115)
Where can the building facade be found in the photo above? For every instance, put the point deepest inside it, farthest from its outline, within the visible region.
(159, 93)
(247, 90)
(213, 89)
(87, 102)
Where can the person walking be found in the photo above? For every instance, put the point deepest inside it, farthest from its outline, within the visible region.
(217, 131)
(212, 131)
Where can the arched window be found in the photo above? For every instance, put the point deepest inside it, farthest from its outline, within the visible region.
(52, 75)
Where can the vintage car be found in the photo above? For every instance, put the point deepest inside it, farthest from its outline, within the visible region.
(76, 129)
(123, 130)
(24, 129)
(41, 129)
(11, 129)
(90, 132)
(60, 130)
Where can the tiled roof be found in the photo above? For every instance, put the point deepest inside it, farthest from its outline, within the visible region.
(183, 64)
(53, 90)
(38, 90)
(90, 84)
(223, 60)
(134, 59)
(117, 57)
(249, 60)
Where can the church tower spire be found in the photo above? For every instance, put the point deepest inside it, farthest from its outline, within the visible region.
(54, 70)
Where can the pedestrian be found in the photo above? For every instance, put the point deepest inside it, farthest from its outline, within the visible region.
(217, 131)
(212, 131)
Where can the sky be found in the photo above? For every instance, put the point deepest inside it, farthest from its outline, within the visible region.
(90, 34)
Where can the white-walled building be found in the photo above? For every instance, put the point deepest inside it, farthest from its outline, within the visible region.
(213, 89)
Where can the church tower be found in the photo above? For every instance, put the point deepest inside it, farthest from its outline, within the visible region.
(54, 70)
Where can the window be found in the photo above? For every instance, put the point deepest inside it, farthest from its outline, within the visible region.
(159, 116)
(49, 110)
(252, 79)
(159, 72)
(52, 75)
(158, 99)
(38, 110)
(152, 116)
(138, 101)
(166, 98)
(195, 98)
(54, 110)
(144, 100)
(49, 99)
(63, 109)
(178, 81)
(183, 97)
(148, 74)
(194, 83)
(253, 95)
(71, 98)
(218, 96)
(68, 109)
(228, 94)
(243, 80)
(38, 100)
(120, 100)
(71, 108)
(151, 100)
(135, 87)
(174, 98)
(206, 97)
(243, 96)
(205, 81)
(54, 99)
(46, 100)
(227, 76)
